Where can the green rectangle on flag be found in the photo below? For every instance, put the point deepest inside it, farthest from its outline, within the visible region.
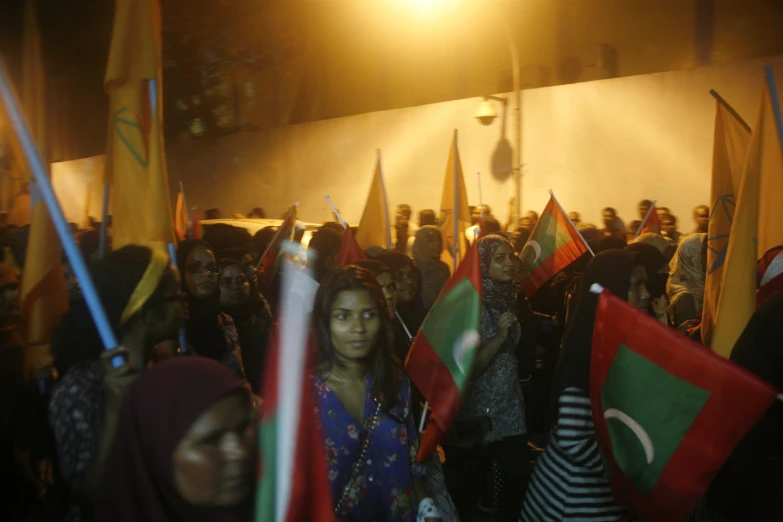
(645, 434)
(450, 329)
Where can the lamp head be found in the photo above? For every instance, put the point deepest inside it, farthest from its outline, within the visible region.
(485, 113)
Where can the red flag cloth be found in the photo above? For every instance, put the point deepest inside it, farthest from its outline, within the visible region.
(651, 223)
(295, 480)
(667, 412)
(350, 251)
(311, 491)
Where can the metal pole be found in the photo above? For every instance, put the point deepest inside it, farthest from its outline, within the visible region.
(516, 161)
(455, 211)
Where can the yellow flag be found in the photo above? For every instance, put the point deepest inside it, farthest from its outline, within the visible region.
(757, 227)
(374, 227)
(44, 297)
(729, 150)
(135, 160)
(454, 189)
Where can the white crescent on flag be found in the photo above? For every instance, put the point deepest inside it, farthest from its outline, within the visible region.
(636, 428)
(467, 342)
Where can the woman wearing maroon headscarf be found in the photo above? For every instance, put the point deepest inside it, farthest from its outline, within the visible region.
(184, 449)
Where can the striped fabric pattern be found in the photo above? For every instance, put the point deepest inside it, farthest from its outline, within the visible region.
(568, 482)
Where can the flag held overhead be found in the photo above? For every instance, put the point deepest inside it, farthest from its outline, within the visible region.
(553, 245)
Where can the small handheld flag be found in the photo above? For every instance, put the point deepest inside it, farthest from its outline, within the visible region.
(667, 411)
(440, 360)
(553, 245)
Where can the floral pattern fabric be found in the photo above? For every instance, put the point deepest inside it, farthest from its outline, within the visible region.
(233, 357)
(383, 489)
(75, 414)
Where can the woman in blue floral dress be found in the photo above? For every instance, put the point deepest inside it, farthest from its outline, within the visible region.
(364, 405)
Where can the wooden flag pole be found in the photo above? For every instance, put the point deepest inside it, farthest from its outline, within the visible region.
(571, 222)
(646, 219)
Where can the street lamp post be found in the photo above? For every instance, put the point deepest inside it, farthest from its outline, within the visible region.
(516, 156)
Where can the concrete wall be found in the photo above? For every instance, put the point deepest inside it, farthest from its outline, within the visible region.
(604, 143)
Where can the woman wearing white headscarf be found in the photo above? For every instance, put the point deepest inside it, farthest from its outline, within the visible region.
(685, 287)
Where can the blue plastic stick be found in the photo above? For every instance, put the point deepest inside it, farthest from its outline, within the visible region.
(39, 170)
(773, 95)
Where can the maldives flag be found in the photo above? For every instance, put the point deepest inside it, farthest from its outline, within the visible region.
(553, 245)
(667, 411)
(651, 222)
(294, 486)
(440, 360)
(350, 251)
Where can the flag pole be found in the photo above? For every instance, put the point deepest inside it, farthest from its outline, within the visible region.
(385, 203)
(481, 198)
(551, 193)
(274, 238)
(773, 95)
(455, 210)
(426, 403)
(646, 218)
(336, 213)
(729, 108)
(39, 171)
(185, 207)
(104, 216)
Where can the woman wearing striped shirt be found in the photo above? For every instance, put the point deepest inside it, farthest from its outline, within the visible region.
(569, 483)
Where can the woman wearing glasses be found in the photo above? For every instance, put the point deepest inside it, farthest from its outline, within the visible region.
(252, 315)
(208, 331)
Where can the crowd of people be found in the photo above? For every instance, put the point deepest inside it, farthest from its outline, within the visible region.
(169, 434)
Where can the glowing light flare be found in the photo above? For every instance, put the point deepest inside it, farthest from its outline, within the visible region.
(425, 9)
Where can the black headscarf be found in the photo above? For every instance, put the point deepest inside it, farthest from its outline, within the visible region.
(412, 313)
(203, 329)
(749, 484)
(324, 243)
(496, 298)
(653, 260)
(612, 270)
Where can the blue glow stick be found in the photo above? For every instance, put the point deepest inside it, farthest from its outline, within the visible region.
(39, 170)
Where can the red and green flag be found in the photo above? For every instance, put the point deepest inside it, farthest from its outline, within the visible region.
(668, 412)
(293, 485)
(651, 222)
(440, 360)
(350, 251)
(553, 245)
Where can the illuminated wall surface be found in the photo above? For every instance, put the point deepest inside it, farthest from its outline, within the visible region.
(603, 143)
